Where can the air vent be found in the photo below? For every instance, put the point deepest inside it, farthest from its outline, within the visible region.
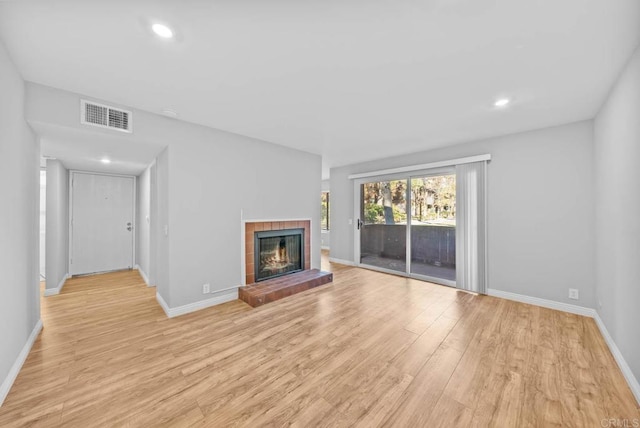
(103, 116)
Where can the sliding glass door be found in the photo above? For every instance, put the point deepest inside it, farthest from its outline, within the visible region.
(433, 226)
(383, 225)
(407, 225)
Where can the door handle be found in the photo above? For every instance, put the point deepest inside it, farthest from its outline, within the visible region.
(129, 227)
(360, 223)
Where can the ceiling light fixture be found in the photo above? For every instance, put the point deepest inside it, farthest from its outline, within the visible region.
(162, 31)
(169, 112)
(105, 161)
(502, 102)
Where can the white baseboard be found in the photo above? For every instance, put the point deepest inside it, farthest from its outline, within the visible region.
(551, 304)
(143, 275)
(579, 310)
(342, 262)
(58, 289)
(225, 297)
(622, 363)
(17, 365)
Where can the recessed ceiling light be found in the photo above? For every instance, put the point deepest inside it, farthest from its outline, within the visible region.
(162, 31)
(105, 161)
(502, 102)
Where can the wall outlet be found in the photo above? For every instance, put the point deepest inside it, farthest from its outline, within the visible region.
(573, 293)
(206, 288)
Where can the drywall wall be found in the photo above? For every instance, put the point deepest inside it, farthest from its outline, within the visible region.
(217, 180)
(162, 239)
(19, 223)
(617, 204)
(143, 223)
(57, 264)
(540, 209)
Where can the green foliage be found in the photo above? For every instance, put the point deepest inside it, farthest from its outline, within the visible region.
(373, 213)
(324, 200)
(399, 216)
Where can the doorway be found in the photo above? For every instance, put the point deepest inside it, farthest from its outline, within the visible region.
(101, 223)
(407, 225)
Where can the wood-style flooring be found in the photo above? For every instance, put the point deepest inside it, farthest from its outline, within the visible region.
(368, 350)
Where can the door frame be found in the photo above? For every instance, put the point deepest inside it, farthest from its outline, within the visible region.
(408, 175)
(134, 239)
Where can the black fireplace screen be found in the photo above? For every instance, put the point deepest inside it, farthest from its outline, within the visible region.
(278, 252)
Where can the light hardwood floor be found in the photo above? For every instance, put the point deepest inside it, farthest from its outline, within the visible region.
(369, 350)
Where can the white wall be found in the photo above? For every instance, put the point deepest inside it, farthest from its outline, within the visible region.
(617, 204)
(43, 223)
(143, 223)
(206, 179)
(540, 209)
(162, 247)
(215, 178)
(19, 215)
(57, 264)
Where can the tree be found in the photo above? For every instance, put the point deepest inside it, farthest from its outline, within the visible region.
(387, 202)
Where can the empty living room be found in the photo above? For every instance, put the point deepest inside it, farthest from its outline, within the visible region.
(320, 214)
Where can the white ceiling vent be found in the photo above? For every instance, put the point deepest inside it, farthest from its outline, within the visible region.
(95, 114)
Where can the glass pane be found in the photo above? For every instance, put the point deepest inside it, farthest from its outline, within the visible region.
(383, 235)
(433, 226)
(324, 218)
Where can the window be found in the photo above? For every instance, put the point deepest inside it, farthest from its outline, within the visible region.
(324, 222)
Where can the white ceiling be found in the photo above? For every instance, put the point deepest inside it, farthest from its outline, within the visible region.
(83, 150)
(351, 80)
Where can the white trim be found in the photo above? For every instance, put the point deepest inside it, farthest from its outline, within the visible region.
(253, 220)
(551, 304)
(617, 355)
(341, 261)
(412, 168)
(143, 275)
(53, 291)
(17, 365)
(196, 306)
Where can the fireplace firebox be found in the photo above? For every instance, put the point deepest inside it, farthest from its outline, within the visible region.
(278, 252)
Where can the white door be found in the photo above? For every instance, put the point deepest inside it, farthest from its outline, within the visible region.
(101, 223)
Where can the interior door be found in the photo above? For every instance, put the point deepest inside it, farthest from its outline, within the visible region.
(101, 223)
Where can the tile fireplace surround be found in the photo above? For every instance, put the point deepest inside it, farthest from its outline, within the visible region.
(251, 227)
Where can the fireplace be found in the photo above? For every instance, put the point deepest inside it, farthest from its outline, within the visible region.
(278, 252)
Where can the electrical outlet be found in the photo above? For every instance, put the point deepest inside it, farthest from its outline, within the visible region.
(206, 288)
(573, 293)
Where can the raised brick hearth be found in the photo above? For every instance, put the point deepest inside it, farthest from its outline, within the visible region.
(278, 288)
